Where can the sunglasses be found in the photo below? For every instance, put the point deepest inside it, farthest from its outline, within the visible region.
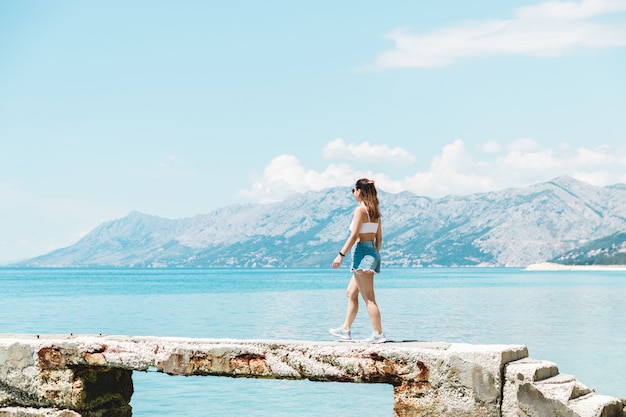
(354, 189)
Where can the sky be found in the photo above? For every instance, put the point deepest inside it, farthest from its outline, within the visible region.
(177, 108)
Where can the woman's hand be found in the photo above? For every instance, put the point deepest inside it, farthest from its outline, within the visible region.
(337, 261)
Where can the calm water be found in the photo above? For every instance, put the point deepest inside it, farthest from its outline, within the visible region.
(576, 319)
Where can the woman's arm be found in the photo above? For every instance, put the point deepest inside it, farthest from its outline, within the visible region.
(379, 236)
(357, 219)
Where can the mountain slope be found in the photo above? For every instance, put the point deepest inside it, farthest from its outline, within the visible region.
(609, 250)
(512, 227)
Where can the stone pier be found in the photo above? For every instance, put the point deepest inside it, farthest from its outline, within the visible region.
(91, 376)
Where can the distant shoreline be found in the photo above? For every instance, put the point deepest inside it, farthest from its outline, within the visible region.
(542, 266)
(550, 266)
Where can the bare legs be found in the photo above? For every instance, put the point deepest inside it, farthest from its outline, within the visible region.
(353, 303)
(363, 283)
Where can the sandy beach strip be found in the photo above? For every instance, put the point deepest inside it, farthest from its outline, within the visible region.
(550, 266)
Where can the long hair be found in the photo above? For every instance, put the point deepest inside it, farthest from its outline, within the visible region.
(369, 195)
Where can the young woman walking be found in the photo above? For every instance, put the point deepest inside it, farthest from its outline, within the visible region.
(366, 233)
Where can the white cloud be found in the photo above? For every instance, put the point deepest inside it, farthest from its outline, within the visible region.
(456, 170)
(571, 10)
(547, 29)
(285, 175)
(491, 146)
(525, 162)
(339, 149)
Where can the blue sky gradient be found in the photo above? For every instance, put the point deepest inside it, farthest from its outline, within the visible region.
(178, 108)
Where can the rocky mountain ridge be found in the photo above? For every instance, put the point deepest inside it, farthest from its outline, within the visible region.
(511, 227)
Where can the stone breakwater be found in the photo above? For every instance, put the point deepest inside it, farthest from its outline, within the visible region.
(91, 376)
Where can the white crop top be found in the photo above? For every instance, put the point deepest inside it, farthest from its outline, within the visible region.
(368, 227)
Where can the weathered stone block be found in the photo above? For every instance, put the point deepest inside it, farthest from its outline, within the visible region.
(49, 376)
(534, 388)
(36, 412)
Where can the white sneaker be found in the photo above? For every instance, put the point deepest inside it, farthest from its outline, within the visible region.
(375, 338)
(341, 333)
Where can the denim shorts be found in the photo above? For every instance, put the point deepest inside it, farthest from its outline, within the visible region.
(365, 257)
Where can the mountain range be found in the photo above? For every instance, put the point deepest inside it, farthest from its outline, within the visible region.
(511, 227)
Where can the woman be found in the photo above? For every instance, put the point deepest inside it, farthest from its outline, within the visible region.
(366, 232)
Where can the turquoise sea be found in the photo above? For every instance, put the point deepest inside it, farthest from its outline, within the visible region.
(574, 318)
